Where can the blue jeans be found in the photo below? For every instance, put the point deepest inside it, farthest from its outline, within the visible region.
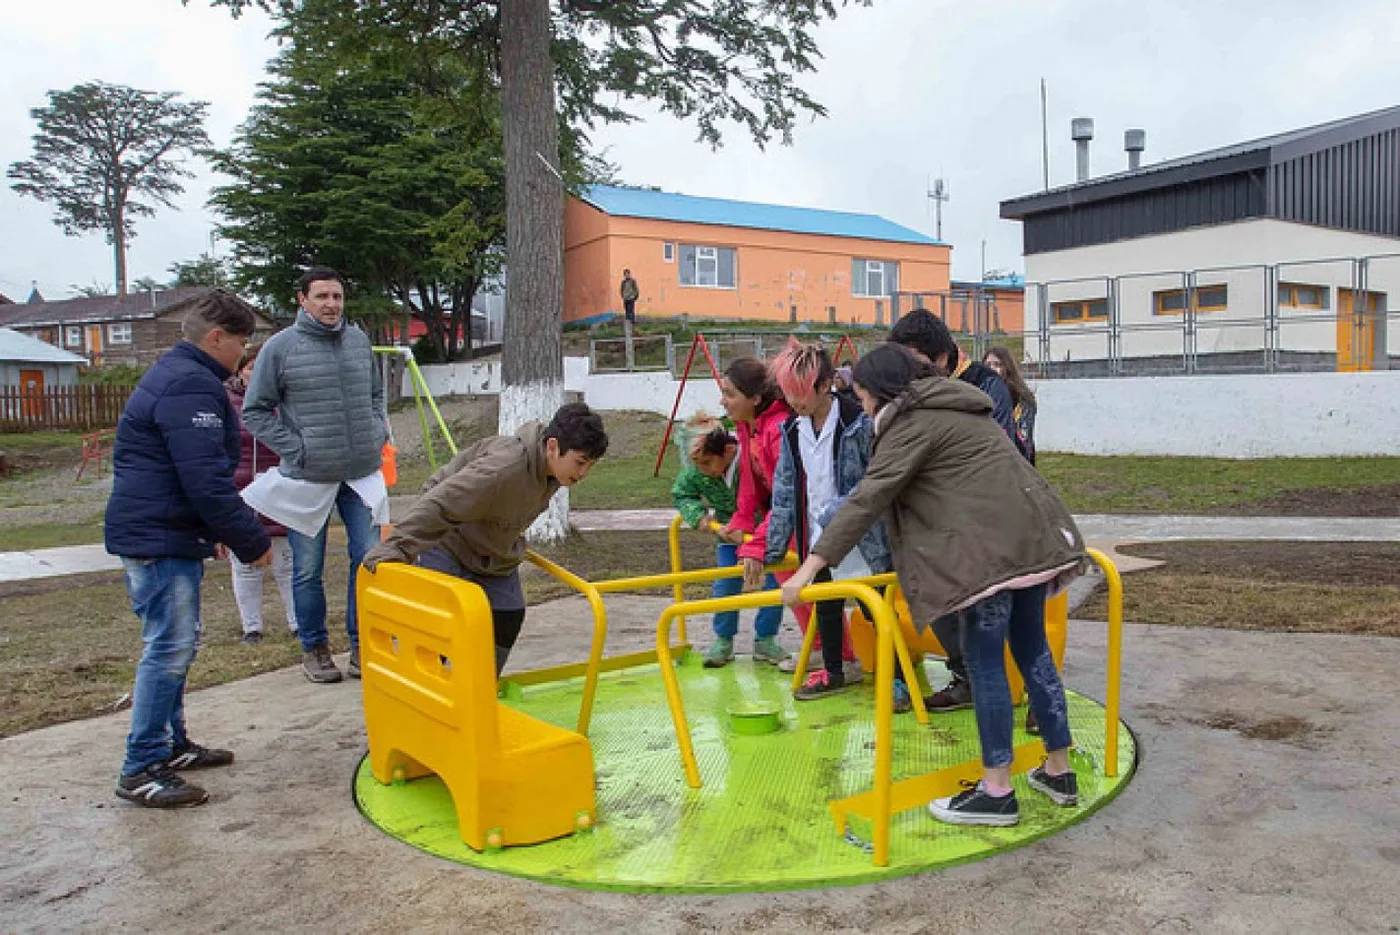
(1015, 619)
(164, 593)
(726, 623)
(309, 559)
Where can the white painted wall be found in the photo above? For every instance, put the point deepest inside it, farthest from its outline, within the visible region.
(1224, 416)
(467, 378)
(1236, 255)
(1230, 416)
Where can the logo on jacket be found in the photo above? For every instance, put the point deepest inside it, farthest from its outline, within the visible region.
(207, 420)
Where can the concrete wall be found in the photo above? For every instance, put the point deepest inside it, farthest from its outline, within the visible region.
(1235, 255)
(775, 271)
(1227, 416)
(1233, 416)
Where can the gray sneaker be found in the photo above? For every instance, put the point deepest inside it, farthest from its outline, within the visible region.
(318, 666)
(767, 650)
(852, 671)
(352, 667)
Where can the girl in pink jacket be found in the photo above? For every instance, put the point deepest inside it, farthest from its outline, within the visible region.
(751, 398)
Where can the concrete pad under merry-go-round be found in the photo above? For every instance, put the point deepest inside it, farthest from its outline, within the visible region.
(760, 820)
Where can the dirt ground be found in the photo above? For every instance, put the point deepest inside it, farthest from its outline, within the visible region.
(1309, 587)
(1381, 500)
(1264, 801)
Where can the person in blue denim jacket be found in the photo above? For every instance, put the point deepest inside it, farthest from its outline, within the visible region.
(825, 448)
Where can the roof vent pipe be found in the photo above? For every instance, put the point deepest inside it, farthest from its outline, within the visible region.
(1081, 130)
(1134, 142)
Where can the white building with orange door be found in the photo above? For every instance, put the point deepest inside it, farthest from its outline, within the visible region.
(1277, 254)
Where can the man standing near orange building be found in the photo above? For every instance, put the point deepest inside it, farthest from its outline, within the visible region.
(630, 292)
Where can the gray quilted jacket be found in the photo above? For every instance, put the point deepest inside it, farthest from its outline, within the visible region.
(316, 399)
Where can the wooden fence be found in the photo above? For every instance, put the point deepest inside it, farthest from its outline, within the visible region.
(61, 407)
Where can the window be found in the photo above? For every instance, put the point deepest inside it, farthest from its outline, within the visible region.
(1204, 299)
(705, 266)
(119, 334)
(1079, 310)
(875, 279)
(1298, 295)
(72, 336)
(668, 252)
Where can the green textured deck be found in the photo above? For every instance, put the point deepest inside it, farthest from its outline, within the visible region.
(760, 822)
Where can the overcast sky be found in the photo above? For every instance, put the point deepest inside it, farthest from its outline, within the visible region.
(914, 88)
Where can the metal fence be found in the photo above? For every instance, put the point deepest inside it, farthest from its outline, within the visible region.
(1306, 315)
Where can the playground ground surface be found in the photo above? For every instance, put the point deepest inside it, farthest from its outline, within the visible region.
(1266, 797)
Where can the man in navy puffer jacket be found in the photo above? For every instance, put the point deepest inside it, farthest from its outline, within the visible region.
(173, 498)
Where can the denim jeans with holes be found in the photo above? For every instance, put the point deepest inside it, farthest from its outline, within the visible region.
(164, 593)
(308, 562)
(1015, 619)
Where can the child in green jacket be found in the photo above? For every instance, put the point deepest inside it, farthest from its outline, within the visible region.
(706, 484)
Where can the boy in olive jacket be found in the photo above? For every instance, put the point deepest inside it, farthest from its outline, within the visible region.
(470, 520)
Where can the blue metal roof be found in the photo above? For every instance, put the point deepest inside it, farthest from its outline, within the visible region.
(665, 206)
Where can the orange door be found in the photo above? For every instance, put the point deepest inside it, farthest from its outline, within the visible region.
(1356, 330)
(31, 392)
(94, 344)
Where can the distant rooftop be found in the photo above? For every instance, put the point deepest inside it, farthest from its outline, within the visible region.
(666, 206)
(24, 349)
(1212, 163)
(96, 309)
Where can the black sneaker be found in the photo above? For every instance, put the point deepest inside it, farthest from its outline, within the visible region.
(159, 786)
(1032, 727)
(955, 696)
(1062, 789)
(251, 638)
(194, 756)
(318, 666)
(974, 806)
(352, 668)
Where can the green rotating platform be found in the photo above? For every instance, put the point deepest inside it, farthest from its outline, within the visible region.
(760, 822)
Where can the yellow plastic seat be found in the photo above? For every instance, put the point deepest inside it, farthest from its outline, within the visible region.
(428, 662)
(1056, 631)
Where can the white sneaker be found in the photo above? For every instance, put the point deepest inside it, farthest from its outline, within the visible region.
(852, 671)
(790, 663)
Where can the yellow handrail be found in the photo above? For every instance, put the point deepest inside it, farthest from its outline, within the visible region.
(600, 630)
(886, 580)
(673, 536)
(1115, 660)
(885, 626)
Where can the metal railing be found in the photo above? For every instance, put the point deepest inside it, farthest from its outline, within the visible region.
(1351, 320)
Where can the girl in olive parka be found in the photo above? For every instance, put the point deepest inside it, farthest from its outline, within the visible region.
(972, 526)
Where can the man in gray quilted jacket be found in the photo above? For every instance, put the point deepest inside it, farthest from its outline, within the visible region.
(316, 399)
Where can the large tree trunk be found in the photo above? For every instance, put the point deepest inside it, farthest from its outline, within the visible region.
(119, 251)
(532, 372)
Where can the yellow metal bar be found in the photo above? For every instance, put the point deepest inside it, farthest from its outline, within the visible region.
(919, 790)
(884, 622)
(698, 576)
(573, 670)
(600, 631)
(677, 566)
(1115, 660)
(419, 381)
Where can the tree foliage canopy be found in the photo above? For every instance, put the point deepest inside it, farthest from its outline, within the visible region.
(351, 160)
(105, 154)
(709, 61)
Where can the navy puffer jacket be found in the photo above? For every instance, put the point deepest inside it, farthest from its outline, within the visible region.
(172, 465)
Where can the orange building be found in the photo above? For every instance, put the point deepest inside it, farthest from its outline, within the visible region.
(712, 258)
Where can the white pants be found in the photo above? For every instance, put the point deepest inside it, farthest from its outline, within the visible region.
(248, 586)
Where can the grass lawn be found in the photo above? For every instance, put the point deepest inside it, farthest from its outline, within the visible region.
(1279, 486)
(22, 538)
(69, 646)
(1297, 587)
